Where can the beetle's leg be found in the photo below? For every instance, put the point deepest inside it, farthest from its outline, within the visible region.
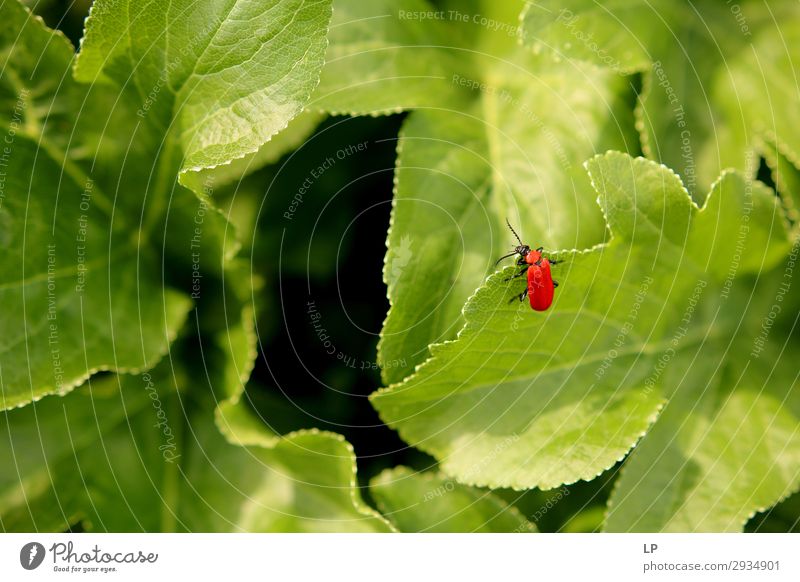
(555, 283)
(540, 249)
(520, 274)
(521, 297)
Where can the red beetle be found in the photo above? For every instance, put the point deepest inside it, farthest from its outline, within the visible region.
(537, 266)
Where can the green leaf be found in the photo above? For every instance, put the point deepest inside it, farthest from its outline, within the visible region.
(781, 518)
(786, 176)
(200, 246)
(608, 34)
(524, 399)
(724, 448)
(80, 292)
(505, 138)
(130, 453)
(382, 59)
(427, 502)
(715, 73)
(303, 482)
(92, 456)
(287, 140)
(224, 76)
(759, 100)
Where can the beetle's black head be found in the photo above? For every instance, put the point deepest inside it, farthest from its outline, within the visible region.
(521, 250)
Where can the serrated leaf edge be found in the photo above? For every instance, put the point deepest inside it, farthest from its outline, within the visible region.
(79, 380)
(273, 442)
(430, 476)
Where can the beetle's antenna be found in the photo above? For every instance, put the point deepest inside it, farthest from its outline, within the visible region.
(514, 231)
(504, 257)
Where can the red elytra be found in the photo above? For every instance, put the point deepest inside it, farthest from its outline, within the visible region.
(541, 285)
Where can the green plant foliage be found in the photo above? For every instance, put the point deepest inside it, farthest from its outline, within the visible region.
(378, 63)
(72, 303)
(428, 502)
(526, 401)
(108, 253)
(505, 140)
(224, 78)
(94, 458)
(725, 447)
(717, 73)
(290, 138)
(184, 206)
(786, 176)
